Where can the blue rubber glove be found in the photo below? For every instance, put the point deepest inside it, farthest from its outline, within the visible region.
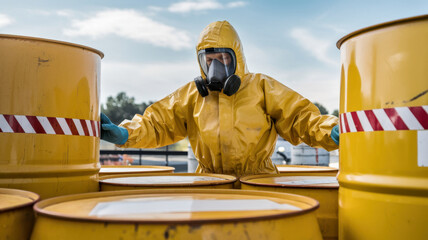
(112, 133)
(335, 134)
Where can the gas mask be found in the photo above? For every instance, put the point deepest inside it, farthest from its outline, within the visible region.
(219, 65)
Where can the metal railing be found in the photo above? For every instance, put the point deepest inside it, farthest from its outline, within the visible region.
(141, 152)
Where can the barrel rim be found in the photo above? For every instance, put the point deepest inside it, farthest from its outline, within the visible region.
(39, 206)
(245, 180)
(101, 54)
(228, 179)
(31, 195)
(380, 25)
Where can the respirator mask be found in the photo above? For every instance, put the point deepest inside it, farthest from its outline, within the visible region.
(219, 65)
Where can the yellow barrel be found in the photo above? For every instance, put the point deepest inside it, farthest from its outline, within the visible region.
(177, 214)
(16, 213)
(319, 186)
(305, 169)
(49, 116)
(114, 170)
(384, 138)
(166, 180)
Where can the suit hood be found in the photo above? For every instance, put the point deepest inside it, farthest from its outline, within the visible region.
(221, 34)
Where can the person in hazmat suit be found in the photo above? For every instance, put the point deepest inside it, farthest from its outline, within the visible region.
(231, 117)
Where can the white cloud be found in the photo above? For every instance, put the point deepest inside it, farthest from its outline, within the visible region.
(201, 5)
(188, 6)
(145, 81)
(335, 28)
(236, 4)
(315, 46)
(315, 82)
(155, 8)
(5, 20)
(64, 13)
(132, 25)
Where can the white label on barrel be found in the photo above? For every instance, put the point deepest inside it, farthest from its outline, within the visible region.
(112, 170)
(423, 148)
(302, 169)
(162, 179)
(144, 206)
(313, 181)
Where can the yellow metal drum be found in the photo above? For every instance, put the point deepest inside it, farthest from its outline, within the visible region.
(384, 138)
(166, 180)
(16, 213)
(305, 169)
(177, 214)
(114, 170)
(319, 186)
(49, 116)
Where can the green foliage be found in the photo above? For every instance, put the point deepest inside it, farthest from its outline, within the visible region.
(335, 113)
(122, 107)
(322, 109)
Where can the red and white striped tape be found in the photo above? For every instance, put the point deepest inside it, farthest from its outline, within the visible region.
(385, 119)
(48, 125)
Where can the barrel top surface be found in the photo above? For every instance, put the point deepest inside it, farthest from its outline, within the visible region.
(168, 179)
(303, 168)
(175, 205)
(378, 26)
(13, 199)
(300, 181)
(18, 37)
(134, 169)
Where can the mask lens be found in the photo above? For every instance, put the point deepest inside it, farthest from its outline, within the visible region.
(224, 55)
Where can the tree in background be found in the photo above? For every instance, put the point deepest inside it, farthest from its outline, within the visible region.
(122, 107)
(322, 109)
(335, 113)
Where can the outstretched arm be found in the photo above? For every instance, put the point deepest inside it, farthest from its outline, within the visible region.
(163, 123)
(296, 118)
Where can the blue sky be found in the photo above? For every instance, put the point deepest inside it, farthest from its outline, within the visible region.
(149, 46)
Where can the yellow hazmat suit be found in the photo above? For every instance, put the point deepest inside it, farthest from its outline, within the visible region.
(232, 134)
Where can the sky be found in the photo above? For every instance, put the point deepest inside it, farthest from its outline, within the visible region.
(149, 45)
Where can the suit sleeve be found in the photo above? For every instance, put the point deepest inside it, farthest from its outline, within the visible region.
(296, 118)
(163, 123)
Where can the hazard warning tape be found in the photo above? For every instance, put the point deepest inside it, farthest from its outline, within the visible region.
(48, 125)
(385, 119)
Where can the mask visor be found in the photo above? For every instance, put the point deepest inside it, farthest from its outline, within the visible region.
(226, 56)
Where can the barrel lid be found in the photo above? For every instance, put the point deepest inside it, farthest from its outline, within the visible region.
(11, 199)
(19, 37)
(167, 179)
(304, 168)
(298, 181)
(381, 25)
(106, 169)
(175, 206)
